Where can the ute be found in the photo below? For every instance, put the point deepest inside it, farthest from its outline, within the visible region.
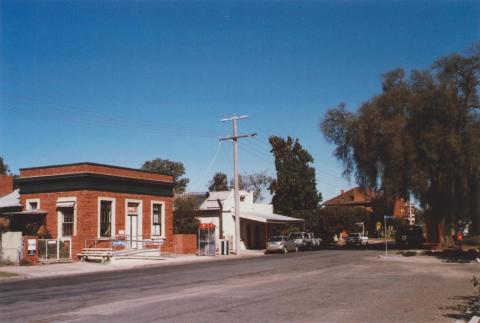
(356, 239)
(301, 239)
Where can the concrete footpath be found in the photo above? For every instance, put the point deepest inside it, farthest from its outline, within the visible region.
(9, 273)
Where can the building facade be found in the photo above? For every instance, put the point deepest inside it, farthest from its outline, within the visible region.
(88, 202)
(257, 221)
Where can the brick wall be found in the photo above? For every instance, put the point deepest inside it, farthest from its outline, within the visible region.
(93, 168)
(6, 184)
(87, 214)
(33, 259)
(185, 243)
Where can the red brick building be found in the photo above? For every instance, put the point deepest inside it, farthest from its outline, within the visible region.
(88, 201)
(358, 196)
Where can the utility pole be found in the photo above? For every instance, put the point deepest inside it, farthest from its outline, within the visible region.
(235, 138)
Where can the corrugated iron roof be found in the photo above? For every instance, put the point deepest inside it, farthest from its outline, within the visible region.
(10, 200)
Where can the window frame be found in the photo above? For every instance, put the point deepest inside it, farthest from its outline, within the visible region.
(60, 217)
(112, 216)
(162, 219)
(28, 207)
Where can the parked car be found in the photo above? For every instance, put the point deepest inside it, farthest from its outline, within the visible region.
(356, 239)
(409, 235)
(281, 244)
(301, 239)
(314, 242)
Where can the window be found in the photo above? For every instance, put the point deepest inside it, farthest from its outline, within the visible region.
(67, 221)
(33, 204)
(66, 216)
(105, 219)
(158, 214)
(157, 220)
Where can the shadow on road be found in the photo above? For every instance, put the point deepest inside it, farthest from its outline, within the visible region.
(454, 255)
(465, 309)
(447, 255)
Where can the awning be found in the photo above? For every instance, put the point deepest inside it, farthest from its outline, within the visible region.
(10, 200)
(64, 204)
(268, 217)
(27, 212)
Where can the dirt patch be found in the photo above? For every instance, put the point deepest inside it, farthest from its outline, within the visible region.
(7, 274)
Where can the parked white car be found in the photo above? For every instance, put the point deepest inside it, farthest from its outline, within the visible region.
(356, 239)
(315, 243)
(281, 244)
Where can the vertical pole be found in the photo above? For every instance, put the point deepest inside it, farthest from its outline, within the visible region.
(235, 138)
(386, 249)
(236, 194)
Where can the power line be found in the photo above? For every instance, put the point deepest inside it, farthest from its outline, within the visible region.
(78, 112)
(83, 120)
(202, 178)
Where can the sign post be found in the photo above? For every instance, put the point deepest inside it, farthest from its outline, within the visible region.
(385, 217)
(32, 247)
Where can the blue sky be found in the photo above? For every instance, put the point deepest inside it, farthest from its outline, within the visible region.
(124, 82)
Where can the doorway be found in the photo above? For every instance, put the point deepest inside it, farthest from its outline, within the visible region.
(133, 229)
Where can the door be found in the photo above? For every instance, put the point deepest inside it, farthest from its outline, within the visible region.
(132, 231)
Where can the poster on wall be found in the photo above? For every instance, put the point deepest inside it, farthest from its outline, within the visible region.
(32, 247)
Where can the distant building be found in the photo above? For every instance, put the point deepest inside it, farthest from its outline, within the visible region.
(257, 221)
(358, 196)
(354, 197)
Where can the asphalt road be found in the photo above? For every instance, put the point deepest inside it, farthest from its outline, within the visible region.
(320, 286)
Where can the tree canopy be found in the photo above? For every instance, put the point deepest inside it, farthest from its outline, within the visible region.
(168, 167)
(294, 190)
(256, 183)
(185, 215)
(419, 136)
(218, 183)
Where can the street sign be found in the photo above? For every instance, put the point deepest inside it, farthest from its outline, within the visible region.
(389, 217)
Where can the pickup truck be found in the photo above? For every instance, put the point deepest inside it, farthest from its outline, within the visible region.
(301, 239)
(356, 239)
(305, 240)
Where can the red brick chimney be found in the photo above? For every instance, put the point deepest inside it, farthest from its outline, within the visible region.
(341, 192)
(6, 184)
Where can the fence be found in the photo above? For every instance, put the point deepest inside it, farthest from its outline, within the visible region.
(121, 243)
(54, 249)
(11, 248)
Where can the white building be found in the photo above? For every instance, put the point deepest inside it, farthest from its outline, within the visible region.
(257, 221)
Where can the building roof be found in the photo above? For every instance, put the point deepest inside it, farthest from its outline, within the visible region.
(90, 164)
(211, 203)
(354, 196)
(270, 218)
(87, 167)
(27, 212)
(10, 200)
